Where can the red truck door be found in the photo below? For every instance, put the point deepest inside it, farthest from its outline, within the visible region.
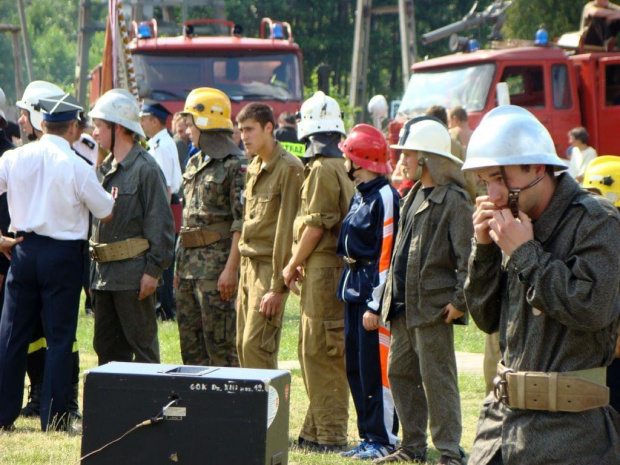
(547, 90)
(608, 106)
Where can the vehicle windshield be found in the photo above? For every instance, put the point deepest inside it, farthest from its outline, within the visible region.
(449, 87)
(255, 77)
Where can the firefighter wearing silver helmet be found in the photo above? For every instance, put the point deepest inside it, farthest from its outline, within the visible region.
(325, 195)
(545, 272)
(130, 252)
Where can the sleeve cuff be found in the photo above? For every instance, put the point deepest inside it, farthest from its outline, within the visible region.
(277, 285)
(485, 252)
(314, 220)
(236, 226)
(153, 270)
(525, 258)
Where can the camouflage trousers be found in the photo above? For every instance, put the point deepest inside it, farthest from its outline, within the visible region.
(207, 324)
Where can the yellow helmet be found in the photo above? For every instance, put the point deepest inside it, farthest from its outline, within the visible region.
(210, 109)
(603, 176)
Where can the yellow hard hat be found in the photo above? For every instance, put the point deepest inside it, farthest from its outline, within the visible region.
(603, 176)
(210, 109)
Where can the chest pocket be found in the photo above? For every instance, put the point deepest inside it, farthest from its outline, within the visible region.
(125, 192)
(264, 205)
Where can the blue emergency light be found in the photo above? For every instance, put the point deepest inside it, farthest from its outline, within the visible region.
(277, 32)
(144, 31)
(542, 36)
(473, 45)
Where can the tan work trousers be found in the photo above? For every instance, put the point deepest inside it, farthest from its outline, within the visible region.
(258, 337)
(321, 356)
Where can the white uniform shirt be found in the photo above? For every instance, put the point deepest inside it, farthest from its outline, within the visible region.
(164, 150)
(50, 190)
(579, 160)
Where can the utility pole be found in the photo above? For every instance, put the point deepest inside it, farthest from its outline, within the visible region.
(361, 46)
(406, 21)
(17, 57)
(27, 50)
(359, 66)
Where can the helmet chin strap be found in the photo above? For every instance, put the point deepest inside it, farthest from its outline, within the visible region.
(113, 130)
(513, 194)
(352, 171)
(33, 135)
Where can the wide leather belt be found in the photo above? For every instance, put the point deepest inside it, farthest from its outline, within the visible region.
(201, 237)
(121, 250)
(554, 392)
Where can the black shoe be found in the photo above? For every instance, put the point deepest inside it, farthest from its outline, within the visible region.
(33, 407)
(74, 406)
(320, 448)
(402, 455)
(305, 444)
(88, 310)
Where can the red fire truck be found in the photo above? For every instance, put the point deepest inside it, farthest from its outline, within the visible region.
(266, 69)
(563, 90)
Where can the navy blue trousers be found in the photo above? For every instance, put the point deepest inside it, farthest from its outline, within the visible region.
(44, 280)
(363, 363)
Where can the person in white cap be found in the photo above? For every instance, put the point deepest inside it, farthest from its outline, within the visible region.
(130, 252)
(31, 122)
(544, 271)
(50, 191)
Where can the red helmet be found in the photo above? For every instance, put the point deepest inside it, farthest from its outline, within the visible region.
(366, 146)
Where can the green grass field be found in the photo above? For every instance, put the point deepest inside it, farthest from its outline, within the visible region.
(28, 446)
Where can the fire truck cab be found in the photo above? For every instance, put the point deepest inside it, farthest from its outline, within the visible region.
(266, 69)
(563, 90)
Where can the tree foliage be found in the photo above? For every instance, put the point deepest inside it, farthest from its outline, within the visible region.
(324, 29)
(558, 16)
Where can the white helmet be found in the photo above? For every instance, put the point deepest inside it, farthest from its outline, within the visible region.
(511, 135)
(30, 100)
(378, 106)
(426, 134)
(2, 105)
(320, 113)
(120, 107)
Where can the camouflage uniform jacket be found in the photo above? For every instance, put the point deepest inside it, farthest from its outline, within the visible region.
(213, 190)
(555, 303)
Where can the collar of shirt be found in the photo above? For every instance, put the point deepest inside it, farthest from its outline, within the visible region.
(565, 191)
(107, 167)
(155, 141)
(60, 142)
(256, 166)
(160, 134)
(371, 186)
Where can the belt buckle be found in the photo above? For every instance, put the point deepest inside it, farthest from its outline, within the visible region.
(93, 253)
(500, 389)
(349, 260)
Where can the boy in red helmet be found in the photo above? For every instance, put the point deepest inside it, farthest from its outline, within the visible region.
(365, 243)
